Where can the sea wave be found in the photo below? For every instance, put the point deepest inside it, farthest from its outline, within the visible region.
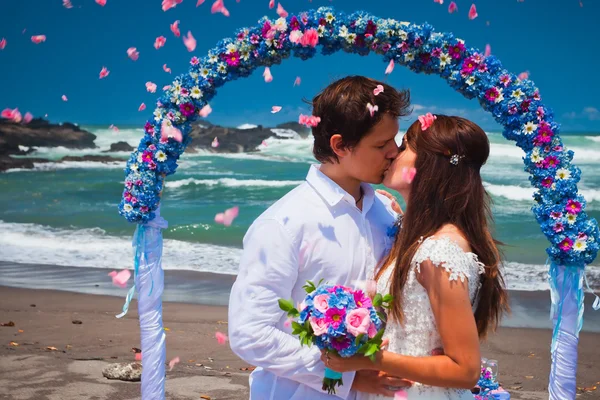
(55, 166)
(519, 193)
(230, 182)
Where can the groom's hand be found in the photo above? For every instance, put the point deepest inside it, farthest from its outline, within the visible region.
(378, 382)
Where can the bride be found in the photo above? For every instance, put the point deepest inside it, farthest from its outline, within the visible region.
(443, 269)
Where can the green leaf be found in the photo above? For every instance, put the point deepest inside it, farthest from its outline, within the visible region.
(363, 348)
(377, 300)
(373, 348)
(382, 315)
(293, 313)
(286, 305)
(388, 298)
(358, 339)
(379, 335)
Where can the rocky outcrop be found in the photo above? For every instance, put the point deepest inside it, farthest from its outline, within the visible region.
(41, 133)
(119, 146)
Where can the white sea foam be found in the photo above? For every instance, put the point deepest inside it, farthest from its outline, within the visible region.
(519, 193)
(230, 182)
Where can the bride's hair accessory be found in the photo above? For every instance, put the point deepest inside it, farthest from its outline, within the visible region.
(426, 120)
(454, 160)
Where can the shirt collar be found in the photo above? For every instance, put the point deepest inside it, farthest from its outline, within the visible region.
(332, 193)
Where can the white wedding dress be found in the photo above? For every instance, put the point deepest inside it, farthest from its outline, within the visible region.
(419, 336)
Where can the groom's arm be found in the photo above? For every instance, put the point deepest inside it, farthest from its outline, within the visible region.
(268, 272)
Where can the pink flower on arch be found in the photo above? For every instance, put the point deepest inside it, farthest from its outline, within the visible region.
(573, 207)
(547, 182)
(558, 227)
(233, 59)
(566, 244)
(310, 38)
(187, 109)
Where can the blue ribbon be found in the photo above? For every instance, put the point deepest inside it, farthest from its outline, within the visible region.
(331, 374)
(139, 239)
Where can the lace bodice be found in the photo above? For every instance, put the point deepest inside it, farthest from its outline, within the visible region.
(419, 335)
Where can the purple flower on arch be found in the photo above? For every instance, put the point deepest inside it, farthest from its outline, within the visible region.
(187, 109)
(573, 207)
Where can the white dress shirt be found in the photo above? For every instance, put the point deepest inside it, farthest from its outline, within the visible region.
(314, 232)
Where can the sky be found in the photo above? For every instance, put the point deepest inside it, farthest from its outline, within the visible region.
(555, 40)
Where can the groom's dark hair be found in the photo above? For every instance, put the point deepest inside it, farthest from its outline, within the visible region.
(342, 107)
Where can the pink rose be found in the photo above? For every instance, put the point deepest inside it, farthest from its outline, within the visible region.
(295, 36)
(310, 38)
(372, 331)
(358, 321)
(319, 326)
(321, 303)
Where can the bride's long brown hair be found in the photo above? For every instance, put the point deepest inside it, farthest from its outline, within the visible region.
(444, 193)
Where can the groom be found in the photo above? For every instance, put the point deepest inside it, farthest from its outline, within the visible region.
(331, 227)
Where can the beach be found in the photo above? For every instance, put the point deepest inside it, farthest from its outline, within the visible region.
(44, 318)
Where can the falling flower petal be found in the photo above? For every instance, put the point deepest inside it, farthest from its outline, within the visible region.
(101, 2)
(439, 1)
(37, 39)
(166, 69)
(401, 395)
(159, 42)
(64, 97)
(288, 322)
(104, 72)
(378, 89)
(173, 362)
(27, 118)
(408, 174)
(151, 87)
(227, 217)
(113, 127)
(372, 108)
(271, 3)
(120, 278)
(275, 109)
(215, 143)
(297, 81)
(309, 121)
(390, 67)
(168, 4)
(142, 107)
(199, 3)
(523, 75)
(2, 44)
(138, 356)
(207, 109)
(281, 11)
(167, 132)
(221, 337)
(189, 41)
(264, 143)
(472, 12)
(452, 7)
(175, 28)
(166, 87)
(488, 50)
(267, 75)
(219, 7)
(13, 115)
(133, 53)
(67, 4)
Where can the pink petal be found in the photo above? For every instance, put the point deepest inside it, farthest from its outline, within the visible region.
(488, 50)
(166, 87)
(287, 323)
(377, 90)
(267, 75)
(67, 4)
(219, 7)
(173, 362)
(13, 115)
(27, 118)
(175, 28)
(401, 395)
(408, 174)
(151, 87)
(142, 107)
(64, 98)
(101, 2)
(168, 4)
(138, 356)
(281, 11)
(104, 72)
(121, 278)
(189, 41)
(215, 143)
(199, 3)
(297, 81)
(167, 132)
(221, 337)
(159, 42)
(227, 217)
(523, 75)
(37, 39)
(439, 1)
(205, 111)
(264, 143)
(133, 53)
(166, 69)
(472, 12)
(233, 212)
(390, 67)
(271, 3)
(275, 109)
(219, 218)
(452, 7)
(2, 44)
(114, 128)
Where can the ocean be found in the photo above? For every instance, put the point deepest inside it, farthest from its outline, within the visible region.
(66, 214)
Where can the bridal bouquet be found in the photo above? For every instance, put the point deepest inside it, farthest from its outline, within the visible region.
(340, 320)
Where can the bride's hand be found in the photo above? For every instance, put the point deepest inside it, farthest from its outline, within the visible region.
(341, 364)
(395, 206)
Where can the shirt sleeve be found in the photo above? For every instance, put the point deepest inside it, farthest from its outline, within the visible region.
(268, 272)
